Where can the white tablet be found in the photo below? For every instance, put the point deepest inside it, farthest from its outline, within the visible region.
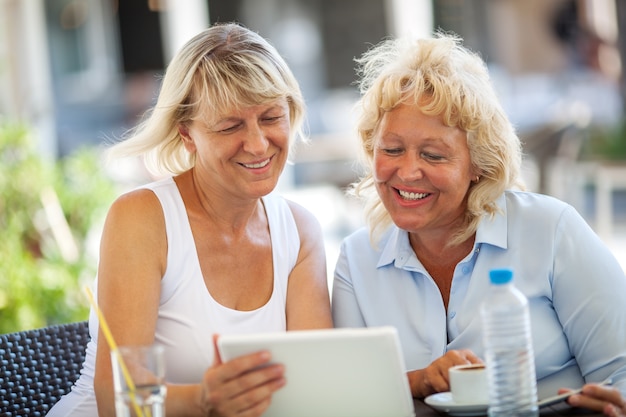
(332, 372)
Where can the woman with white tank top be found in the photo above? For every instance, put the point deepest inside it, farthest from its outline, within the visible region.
(208, 249)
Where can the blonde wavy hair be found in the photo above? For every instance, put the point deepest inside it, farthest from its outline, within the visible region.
(445, 79)
(224, 67)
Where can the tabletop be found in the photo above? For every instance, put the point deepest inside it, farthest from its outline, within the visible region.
(561, 409)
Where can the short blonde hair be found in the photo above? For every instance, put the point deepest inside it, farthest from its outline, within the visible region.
(448, 80)
(224, 67)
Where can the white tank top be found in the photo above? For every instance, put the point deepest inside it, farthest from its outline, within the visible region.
(188, 316)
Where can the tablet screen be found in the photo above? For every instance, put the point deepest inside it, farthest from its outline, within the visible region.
(332, 372)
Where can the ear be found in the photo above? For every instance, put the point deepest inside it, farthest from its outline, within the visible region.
(476, 175)
(188, 143)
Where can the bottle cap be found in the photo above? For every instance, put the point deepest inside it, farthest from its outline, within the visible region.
(500, 276)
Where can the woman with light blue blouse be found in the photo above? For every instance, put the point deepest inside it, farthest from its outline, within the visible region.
(444, 205)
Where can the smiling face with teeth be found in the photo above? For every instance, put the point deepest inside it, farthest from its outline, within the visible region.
(243, 152)
(422, 170)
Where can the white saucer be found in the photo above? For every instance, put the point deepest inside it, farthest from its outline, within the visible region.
(443, 401)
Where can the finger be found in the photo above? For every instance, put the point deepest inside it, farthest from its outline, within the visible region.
(259, 378)
(436, 376)
(609, 394)
(472, 357)
(465, 357)
(612, 411)
(584, 401)
(251, 391)
(438, 371)
(254, 411)
(260, 396)
(217, 358)
(217, 377)
(462, 357)
(236, 367)
(596, 397)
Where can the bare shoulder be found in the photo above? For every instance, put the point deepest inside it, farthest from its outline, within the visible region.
(138, 200)
(139, 208)
(308, 224)
(308, 301)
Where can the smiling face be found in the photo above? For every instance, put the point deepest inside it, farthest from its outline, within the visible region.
(422, 170)
(243, 152)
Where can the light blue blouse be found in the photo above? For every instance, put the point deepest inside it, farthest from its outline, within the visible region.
(575, 286)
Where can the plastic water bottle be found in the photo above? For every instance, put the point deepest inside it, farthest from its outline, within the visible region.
(508, 349)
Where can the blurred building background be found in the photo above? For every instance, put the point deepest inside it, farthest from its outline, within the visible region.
(81, 72)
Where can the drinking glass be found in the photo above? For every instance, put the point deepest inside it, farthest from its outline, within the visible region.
(145, 367)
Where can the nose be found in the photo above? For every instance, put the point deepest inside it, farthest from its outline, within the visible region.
(256, 142)
(409, 167)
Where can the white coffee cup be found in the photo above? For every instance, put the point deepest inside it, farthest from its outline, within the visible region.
(468, 384)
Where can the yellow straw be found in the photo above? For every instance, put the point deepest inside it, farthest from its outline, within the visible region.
(113, 346)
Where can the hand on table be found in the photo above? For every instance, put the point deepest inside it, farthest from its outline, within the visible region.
(606, 399)
(239, 387)
(434, 378)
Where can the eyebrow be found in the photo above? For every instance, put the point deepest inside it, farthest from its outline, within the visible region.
(226, 117)
(233, 118)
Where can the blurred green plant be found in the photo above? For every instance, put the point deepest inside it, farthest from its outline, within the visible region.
(47, 211)
(607, 143)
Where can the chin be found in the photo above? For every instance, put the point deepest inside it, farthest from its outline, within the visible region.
(408, 224)
(263, 190)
